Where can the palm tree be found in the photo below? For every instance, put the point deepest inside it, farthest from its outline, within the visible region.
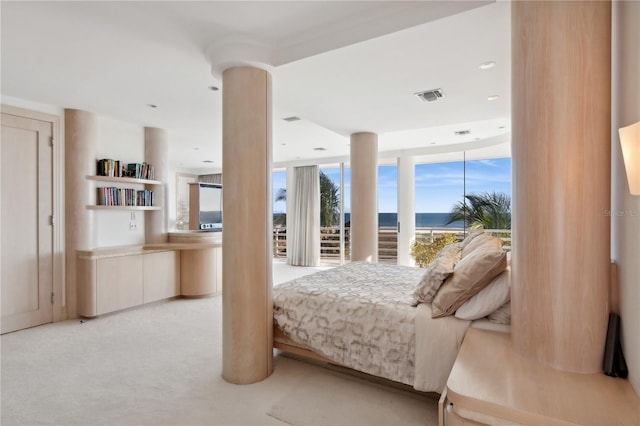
(329, 201)
(486, 210)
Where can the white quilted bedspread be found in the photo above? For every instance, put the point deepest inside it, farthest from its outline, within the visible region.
(358, 315)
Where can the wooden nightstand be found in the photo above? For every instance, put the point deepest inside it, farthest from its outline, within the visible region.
(491, 384)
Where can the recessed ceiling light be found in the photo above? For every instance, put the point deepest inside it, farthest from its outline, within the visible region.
(487, 65)
(493, 97)
(319, 149)
(501, 127)
(292, 118)
(214, 88)
(462, 132)
(152, 105)
(283, 144)
(432, 143)
(476, 139)
(196, 148)
(207, 161)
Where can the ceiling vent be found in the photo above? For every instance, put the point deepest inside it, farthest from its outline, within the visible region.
(462, 132)
(430, 95)
(292, 118)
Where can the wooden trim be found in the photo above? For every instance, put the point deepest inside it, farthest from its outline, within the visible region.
(124, 180)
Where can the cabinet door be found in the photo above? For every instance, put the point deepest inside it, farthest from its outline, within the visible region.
(119, 283)
(161, 275)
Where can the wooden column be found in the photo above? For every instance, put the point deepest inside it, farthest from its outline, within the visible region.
(364, 197)
(81, 140)
(247, 352)
(156, 153)
(561, 175)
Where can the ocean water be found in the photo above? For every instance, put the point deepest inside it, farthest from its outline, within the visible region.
(423, 220)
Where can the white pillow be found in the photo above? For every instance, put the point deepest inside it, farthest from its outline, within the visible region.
(487, 300)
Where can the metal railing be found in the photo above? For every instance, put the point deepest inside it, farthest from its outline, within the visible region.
(387, 241)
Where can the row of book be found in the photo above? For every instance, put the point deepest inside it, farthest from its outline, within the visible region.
(114, 168)
(112, 196)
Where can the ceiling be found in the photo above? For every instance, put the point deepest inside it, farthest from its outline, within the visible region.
(340, 66)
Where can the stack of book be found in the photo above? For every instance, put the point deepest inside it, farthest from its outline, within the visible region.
(140, 171)
(114, 168)
(109, 167)
(112, 196)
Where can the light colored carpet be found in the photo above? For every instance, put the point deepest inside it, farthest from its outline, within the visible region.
(161, 364)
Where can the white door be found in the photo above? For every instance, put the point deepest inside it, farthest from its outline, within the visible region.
(26, 204)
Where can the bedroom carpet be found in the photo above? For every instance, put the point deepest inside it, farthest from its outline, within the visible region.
(160, 364)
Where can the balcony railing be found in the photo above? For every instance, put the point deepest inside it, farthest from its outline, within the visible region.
(387, 241)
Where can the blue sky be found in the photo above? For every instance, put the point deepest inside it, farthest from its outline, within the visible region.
(438, 186)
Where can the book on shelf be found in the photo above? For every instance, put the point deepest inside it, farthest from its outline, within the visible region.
(141, 171)
(108, 167)
(112, 196)
(115, 168)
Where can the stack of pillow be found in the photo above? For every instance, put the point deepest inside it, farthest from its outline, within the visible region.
(470, 279)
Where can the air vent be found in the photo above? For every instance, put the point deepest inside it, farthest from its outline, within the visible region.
(292, 118)
(462, 132)
(430, 95)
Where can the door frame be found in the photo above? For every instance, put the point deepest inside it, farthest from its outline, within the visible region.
(59, 304)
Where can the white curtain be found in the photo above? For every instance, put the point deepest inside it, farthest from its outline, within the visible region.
(303, 247)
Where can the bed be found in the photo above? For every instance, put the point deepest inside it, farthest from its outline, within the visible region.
(364, 316)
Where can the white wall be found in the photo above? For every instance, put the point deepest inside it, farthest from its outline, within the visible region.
(122, 141)
(625, 220)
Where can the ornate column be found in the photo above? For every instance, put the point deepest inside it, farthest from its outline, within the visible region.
(561, 119)
(247, 308)
(364, 197)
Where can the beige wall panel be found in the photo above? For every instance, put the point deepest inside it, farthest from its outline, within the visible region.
(118, 283)
(161, 275)
(626, 207)
(81, 138)
(561, 176)
(364, 197)
(156, 153)
(247, 251)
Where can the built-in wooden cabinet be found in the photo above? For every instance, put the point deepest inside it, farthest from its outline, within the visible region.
(119, 278)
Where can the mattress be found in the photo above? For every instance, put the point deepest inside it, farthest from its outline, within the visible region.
(360, 316)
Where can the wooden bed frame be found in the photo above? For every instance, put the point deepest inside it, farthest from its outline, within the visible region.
(282, 342)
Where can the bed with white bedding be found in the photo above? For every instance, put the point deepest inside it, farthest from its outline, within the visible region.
(400, 323)
(360, 316)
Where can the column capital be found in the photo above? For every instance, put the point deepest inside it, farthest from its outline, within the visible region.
(239, 51)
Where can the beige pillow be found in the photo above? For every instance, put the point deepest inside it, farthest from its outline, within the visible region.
(470, 275)
(437, 271)
(470, 237)
(487, 300)
(482, 242)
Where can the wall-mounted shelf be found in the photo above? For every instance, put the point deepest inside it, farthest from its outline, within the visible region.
(91, 207)
(123, 180)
